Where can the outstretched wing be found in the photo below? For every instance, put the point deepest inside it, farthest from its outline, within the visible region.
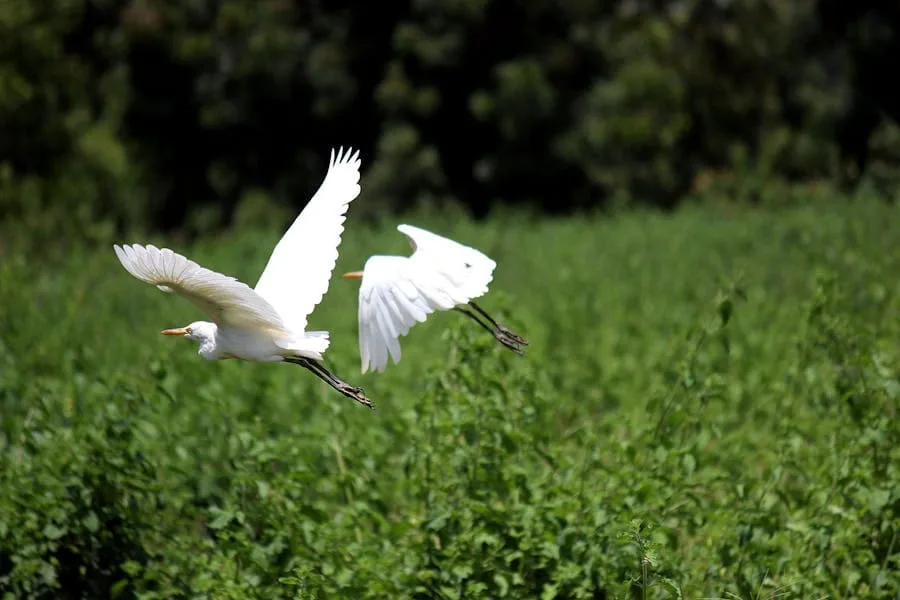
(398, 292)
(225, 299)
(466, 270)
(393, 298)
(299, 270)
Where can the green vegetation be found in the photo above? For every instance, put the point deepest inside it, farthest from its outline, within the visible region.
(708, 409)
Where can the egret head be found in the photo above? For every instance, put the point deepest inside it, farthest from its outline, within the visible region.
(199, 331)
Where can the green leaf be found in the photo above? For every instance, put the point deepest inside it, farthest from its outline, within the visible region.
(878, 499)
(91, 522)
(549, 592)
(52, 532)
(220, 519)
(502, 583)
(118, 587)
(689, 463)
(671, 586)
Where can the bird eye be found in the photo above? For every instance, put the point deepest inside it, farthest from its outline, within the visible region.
(189, 330)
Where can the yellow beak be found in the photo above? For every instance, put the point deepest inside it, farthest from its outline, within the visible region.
(354, 275)
(177, 331)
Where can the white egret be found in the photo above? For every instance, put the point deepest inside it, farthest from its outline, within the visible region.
(396, 292)
(268, 323)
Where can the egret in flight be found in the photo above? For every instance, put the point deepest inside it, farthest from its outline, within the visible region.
(396, 292)
(268, 323)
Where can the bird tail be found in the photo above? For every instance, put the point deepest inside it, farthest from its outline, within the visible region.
(312, 345)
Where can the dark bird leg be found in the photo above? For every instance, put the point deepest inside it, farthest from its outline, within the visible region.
(515, 337)
(507, 341)
(328, 377)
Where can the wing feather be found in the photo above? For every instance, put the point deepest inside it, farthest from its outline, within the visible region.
(225, 299)
(393, 296)
(299, 270)
(397, 292)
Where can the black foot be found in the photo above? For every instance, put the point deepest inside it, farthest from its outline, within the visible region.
(356, 393)
(508, 341)
(513, 336)
(503, 335)
(351, 391)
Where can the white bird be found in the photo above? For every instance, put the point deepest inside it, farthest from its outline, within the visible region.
(396, 292)
(268, 323)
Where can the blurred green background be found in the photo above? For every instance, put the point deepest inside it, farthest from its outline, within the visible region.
(693, 210)
(164, 114)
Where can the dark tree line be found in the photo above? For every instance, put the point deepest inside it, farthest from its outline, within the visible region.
(153, 111)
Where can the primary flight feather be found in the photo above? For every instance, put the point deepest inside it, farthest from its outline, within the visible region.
(268, 323)
(396, 292)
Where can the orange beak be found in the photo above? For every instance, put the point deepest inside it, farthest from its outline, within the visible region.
(177, 331)
(354, 275)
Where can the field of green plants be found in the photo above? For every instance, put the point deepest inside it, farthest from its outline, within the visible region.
(707, 409)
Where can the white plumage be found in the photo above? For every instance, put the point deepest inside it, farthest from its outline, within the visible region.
(299, 270)
(266, 324)
(396, 292)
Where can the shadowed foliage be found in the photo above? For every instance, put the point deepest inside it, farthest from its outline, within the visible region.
(164, 114)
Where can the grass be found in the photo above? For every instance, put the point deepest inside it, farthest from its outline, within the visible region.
(707, 409)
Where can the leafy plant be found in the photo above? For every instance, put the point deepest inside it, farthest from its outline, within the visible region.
(707, 409)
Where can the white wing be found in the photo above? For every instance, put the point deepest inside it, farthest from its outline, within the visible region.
(393, 298)
(299, 270)
(398, 292)
(225, 299)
